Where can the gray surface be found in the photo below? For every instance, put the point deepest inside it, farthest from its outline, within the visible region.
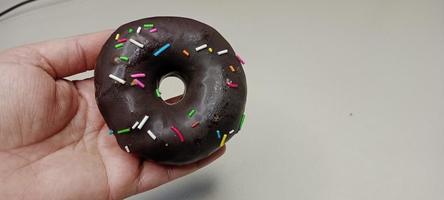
(346, 98)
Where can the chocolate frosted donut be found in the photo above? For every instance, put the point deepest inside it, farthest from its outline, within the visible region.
(129, 69)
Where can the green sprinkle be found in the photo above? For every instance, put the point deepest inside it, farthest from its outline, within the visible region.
(191, 113)
(123, 131)
(148, 25)
(130, 30)
(124, 58)
(242, 121)
(118, 45)
(158, 92)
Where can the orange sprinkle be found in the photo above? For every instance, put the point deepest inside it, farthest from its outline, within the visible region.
(133, 82)
(185, 52)
(232, 68)
(196, 123)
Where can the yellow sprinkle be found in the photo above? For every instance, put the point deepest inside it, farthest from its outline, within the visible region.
(232, 68)
(210, 50)
(222, 143)
(117, 36)
(133, 82)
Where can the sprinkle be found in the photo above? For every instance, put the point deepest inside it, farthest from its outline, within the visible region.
(222, 143)
(151, 134)
(240, 59)
(185, 52)
(130, 30)
(210, 50)
(117, 79)
(123, 131)
(127, 148)
(218, 134)
(222, 52)
(118, 45)
(242, 121)
(178, 133)
(231, 84)
(158, 92)
(124, 58)
(117, 36)
(232, 131)
(122, 40)
(139, 83)
(191, 113)
(163, 48)
(153, 30)
(138, 29)
(138, 75)
(135, 125)
(136, 43)
(196, 123)
(148, 25)
(110, 132)
(232, 68)
(133, 83)
(143, 122)
(201, 47)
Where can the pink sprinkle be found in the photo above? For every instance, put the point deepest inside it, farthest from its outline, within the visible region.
(240, 59)
(153, 30)
(178, 133)
(139, 75)
(139, 83)
(231, 84)
(122, 40)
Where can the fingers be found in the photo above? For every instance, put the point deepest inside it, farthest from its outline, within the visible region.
(153, 175)
(64, 57)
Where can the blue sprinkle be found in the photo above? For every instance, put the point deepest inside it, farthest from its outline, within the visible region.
(110, 132)
(218, 134)
(162, 49)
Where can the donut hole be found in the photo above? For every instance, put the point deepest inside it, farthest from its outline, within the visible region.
(172, 89)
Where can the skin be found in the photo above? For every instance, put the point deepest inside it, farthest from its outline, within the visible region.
(54, 143)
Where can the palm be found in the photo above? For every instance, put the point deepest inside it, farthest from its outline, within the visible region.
(53, 139)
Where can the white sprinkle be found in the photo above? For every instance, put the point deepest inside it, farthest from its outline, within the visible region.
(222, 52)
(143, 122)
(138, 29)
(127, 148)
(135, 125)
(136, 43)
(232, 131)
(201, 47)
(151, 134)
(117, 79)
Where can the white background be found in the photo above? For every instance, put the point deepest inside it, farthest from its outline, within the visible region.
(345, 98)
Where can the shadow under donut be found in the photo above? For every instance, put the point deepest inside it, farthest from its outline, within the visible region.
(199, 187)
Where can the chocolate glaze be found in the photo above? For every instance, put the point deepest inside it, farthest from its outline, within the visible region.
(218, 106)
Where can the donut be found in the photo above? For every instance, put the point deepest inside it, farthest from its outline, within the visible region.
(129, 69)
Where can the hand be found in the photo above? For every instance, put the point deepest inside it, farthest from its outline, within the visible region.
(53, 141)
